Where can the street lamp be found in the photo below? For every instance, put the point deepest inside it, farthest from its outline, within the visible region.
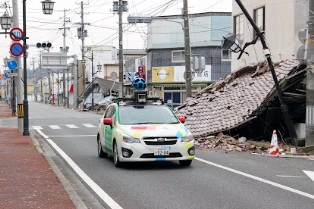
(47, 9)
(5, 21)
(231, 42)
(99, 67)
(5, 61)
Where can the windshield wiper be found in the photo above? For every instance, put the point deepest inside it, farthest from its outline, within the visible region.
(144, 123)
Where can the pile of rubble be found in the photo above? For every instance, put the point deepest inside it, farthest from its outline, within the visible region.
(228, 144)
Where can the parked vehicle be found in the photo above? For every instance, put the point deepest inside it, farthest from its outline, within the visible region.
(104, 103)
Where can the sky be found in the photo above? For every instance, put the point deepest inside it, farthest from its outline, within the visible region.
(101, 23)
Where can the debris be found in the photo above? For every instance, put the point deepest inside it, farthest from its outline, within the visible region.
(228, 143)
(242, 139)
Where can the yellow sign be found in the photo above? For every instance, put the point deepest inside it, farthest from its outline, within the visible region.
(20, 111)
(162, 74)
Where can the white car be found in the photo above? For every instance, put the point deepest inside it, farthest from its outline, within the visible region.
(147, 131)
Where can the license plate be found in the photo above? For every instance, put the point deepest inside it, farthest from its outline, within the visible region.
(162, 151)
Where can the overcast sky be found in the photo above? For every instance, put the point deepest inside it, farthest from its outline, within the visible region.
(103, 23)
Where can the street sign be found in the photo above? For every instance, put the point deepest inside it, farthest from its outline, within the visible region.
(13, 74)
(12, 64)
(16, 34)
(54, 60)
(16, 49)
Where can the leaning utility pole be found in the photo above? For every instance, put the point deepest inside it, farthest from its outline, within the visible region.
(283, 106)
(188, 75)
(309, 140)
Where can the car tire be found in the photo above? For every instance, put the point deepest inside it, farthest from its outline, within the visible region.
(101, 153)
(185, 163)
(116, 159)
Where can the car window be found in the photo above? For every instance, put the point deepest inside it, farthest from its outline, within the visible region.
(146, 114)
(110, 111)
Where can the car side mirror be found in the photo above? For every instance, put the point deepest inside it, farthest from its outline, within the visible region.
(182, 119)
(108, 121)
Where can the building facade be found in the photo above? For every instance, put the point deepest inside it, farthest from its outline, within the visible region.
(166, 54)
(280, 20)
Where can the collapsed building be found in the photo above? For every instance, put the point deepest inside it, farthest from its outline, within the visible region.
(245, 103)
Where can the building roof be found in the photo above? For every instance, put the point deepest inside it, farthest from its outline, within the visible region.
(133, 51)
(105, 86)
(238, 98)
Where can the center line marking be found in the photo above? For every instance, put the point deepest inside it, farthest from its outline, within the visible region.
(257, 178)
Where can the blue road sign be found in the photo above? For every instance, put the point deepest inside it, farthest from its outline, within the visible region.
(16, 34)
(16, 49)
(12, 64)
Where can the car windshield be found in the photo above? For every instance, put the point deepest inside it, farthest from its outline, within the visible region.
(146, 114)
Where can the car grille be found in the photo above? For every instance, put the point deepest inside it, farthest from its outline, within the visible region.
(160, 140)
(171, 155)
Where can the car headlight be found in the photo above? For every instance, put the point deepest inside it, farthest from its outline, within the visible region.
(129, 139)
(187, 138)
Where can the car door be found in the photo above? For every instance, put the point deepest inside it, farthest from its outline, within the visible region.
(108, 129)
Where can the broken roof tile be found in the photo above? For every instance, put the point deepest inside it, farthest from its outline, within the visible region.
(229, 102)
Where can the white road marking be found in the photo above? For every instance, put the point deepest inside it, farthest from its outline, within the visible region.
(41, 133)
(71, 126)
(310, 174)
(37, 127)
(287, 176)
(71, 136)
(89, 125)
(258, 178)
(101, 193)
(54, 127)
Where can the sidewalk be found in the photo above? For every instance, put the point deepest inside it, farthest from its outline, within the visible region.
(26, 178)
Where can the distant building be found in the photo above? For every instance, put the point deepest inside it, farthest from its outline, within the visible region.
(166, 54)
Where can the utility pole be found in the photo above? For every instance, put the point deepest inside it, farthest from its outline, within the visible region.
(284, 107)
(120, 50)
(309, 139)
(65, 20)
(188, 76)
(120, 7)
(65, 50)
(92, 80)
(83, 42)
(18, 82)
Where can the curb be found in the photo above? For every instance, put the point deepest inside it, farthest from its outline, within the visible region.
(77, 201)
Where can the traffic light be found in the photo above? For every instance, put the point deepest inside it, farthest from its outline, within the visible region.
(43, 45)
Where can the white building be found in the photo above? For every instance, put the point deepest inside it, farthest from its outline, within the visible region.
(281, 21)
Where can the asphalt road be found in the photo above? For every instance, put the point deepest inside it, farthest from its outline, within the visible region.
(214, 180)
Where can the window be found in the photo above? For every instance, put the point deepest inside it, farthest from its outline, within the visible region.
(238, 27)
(178, 56)
(225, 55)
(146, 114)
(259, 19)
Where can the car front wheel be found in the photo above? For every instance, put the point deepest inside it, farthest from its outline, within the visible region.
(185, 162)
(116, 160)
(101, 153)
